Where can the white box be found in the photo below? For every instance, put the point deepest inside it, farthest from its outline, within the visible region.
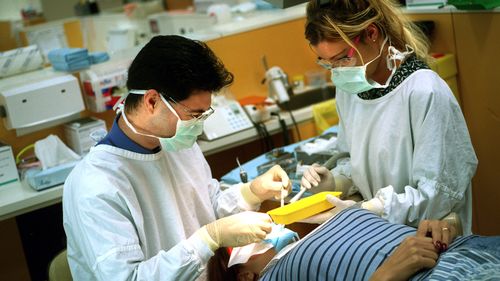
(166, 23)
(104, 83)
(424, 4)
(39, 97)
(8, 169)
(78, 133)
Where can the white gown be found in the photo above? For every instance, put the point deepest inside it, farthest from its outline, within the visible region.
(131, 216)
(411, 148)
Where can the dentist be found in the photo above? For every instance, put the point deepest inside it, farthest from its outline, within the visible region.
(411, 156)
(142, 205)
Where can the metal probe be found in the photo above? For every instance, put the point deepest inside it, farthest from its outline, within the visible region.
(243, 174)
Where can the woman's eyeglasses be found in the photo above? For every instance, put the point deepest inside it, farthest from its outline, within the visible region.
(348, 60)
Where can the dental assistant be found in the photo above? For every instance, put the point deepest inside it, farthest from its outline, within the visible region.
(142, 205)
(411, 155)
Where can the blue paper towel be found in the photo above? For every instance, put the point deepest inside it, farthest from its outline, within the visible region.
(98, 57)
(76, 65)
(67, 55)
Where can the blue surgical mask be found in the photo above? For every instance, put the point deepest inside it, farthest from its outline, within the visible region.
(352, 79)
(186, 133)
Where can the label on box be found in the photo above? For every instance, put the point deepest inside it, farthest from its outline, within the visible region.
(8, 170)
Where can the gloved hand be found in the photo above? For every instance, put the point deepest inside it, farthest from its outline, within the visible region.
(239, 229)
(318, 178)
(271, 184)
(339, 206)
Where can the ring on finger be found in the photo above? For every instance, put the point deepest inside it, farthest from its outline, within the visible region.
(445, 229)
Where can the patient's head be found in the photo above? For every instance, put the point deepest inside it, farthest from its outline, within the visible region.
(279, 238)
(249, 271)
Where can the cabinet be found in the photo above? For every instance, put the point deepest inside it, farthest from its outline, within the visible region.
(473, 37)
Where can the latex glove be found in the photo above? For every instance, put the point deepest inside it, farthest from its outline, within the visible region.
(239, 229)
(318, 178)
(271, 183)
(412, 255)
(339, 206)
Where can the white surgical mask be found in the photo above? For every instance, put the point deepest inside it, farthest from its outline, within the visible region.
(394, 55)
(186, 133)
(352, 79)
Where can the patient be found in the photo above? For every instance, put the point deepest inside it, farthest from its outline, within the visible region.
(358, 245)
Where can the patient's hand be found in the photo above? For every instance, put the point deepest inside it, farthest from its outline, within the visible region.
(441, 232)
(414, 254)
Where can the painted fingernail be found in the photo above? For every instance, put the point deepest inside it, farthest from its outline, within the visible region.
(445, 247)
(438, 245)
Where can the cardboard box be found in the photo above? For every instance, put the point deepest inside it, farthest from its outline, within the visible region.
(445, 66)
(78, 133)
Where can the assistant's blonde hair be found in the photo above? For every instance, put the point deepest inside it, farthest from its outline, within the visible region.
(345, 19)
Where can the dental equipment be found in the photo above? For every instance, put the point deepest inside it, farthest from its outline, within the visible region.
(243, 173)
(302, 209)
(283, 195)
(329, 164)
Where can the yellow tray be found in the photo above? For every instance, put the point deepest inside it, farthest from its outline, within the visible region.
(303, 208)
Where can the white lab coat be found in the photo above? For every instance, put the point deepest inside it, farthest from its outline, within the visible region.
(131, 216)
(410, 148)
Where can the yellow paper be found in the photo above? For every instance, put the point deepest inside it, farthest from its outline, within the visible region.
(303, 208)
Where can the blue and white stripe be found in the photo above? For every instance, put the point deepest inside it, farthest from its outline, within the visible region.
(352, 245)
(469, 258)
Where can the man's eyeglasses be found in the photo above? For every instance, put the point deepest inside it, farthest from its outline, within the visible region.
(348, 60)
(195, 115)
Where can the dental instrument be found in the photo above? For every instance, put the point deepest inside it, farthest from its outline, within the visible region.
(283, 195)
(243, 173)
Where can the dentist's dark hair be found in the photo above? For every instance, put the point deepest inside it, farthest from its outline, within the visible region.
(175, 66)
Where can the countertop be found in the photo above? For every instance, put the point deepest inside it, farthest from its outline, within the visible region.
(242, 22)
